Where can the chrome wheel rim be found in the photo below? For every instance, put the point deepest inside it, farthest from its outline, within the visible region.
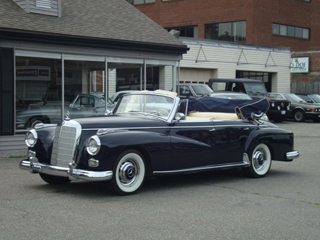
(128, 172)
(259, 160)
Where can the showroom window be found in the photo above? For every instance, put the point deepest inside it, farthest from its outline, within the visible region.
(185, 31)
(290, 31)
(230, 31)
(51, 86)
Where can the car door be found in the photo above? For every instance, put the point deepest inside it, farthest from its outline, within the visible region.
(192, 144)
(229, 139)
(204, 143)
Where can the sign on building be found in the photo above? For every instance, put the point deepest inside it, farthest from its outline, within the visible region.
(299, 65)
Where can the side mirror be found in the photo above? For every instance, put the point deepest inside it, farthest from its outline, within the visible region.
(179, 116)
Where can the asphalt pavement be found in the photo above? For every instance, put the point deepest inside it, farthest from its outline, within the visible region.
(213, 205)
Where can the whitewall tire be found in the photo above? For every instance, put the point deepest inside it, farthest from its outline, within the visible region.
(129, 173)
(260, 162)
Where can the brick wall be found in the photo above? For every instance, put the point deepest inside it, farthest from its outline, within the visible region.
(259, 15)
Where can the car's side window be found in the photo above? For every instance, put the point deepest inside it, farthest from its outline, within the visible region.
(87, 101)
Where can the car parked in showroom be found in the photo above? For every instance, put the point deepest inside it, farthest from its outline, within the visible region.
(83, 105)
(310, 98)
(153, 133)
(299, 110)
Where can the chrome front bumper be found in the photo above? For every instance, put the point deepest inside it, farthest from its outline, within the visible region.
(292, 155)
(72, 173)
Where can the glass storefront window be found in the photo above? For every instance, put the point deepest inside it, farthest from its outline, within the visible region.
(49, 89)
(36, 101)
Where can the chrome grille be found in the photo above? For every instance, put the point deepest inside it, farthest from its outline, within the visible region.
(65, 142)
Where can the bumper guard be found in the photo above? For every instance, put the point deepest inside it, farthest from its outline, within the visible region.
(72, 173)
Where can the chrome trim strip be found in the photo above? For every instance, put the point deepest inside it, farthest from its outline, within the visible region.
(36, 167)
(292, 155)
(171, 127)
(205, 168)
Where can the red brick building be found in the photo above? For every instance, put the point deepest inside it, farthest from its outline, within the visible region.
(291, 23)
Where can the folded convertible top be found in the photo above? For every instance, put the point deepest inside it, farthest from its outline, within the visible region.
(244, 108)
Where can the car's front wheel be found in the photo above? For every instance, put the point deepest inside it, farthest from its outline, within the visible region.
(129, 173)
(54, 180)
(260, 162)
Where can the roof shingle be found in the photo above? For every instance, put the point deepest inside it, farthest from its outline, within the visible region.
(98, 19)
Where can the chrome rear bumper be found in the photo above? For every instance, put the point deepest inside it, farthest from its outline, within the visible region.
(72, 173)
(292, 155)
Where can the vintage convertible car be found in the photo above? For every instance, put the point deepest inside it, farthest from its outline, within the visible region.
(149, 133)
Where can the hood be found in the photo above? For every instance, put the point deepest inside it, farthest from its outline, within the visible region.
(119, 121)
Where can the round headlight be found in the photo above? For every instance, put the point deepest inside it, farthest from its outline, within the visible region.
(31, 138)
(272, 104)
(93, 145)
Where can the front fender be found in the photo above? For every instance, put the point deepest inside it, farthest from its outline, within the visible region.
(154, 146)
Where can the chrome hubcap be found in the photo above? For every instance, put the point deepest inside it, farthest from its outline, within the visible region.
(258, 160)
(128, 173)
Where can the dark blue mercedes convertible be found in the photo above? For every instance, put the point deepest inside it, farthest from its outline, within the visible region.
(152, 133)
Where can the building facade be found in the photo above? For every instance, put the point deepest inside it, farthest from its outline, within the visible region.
(52, 51)
(293, 24)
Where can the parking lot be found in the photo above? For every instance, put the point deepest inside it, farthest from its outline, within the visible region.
(213, 205)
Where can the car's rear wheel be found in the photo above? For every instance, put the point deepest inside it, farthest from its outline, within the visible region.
(260, 162)
(299, 116)
(129, 173)
(54, 180)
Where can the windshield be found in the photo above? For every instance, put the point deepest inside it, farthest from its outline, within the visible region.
(146, 104)
(315, 97)
(202, 89)
(255, 88)
(276, 95)
(293, 98)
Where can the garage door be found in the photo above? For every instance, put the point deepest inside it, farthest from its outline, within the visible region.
(190, 75)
